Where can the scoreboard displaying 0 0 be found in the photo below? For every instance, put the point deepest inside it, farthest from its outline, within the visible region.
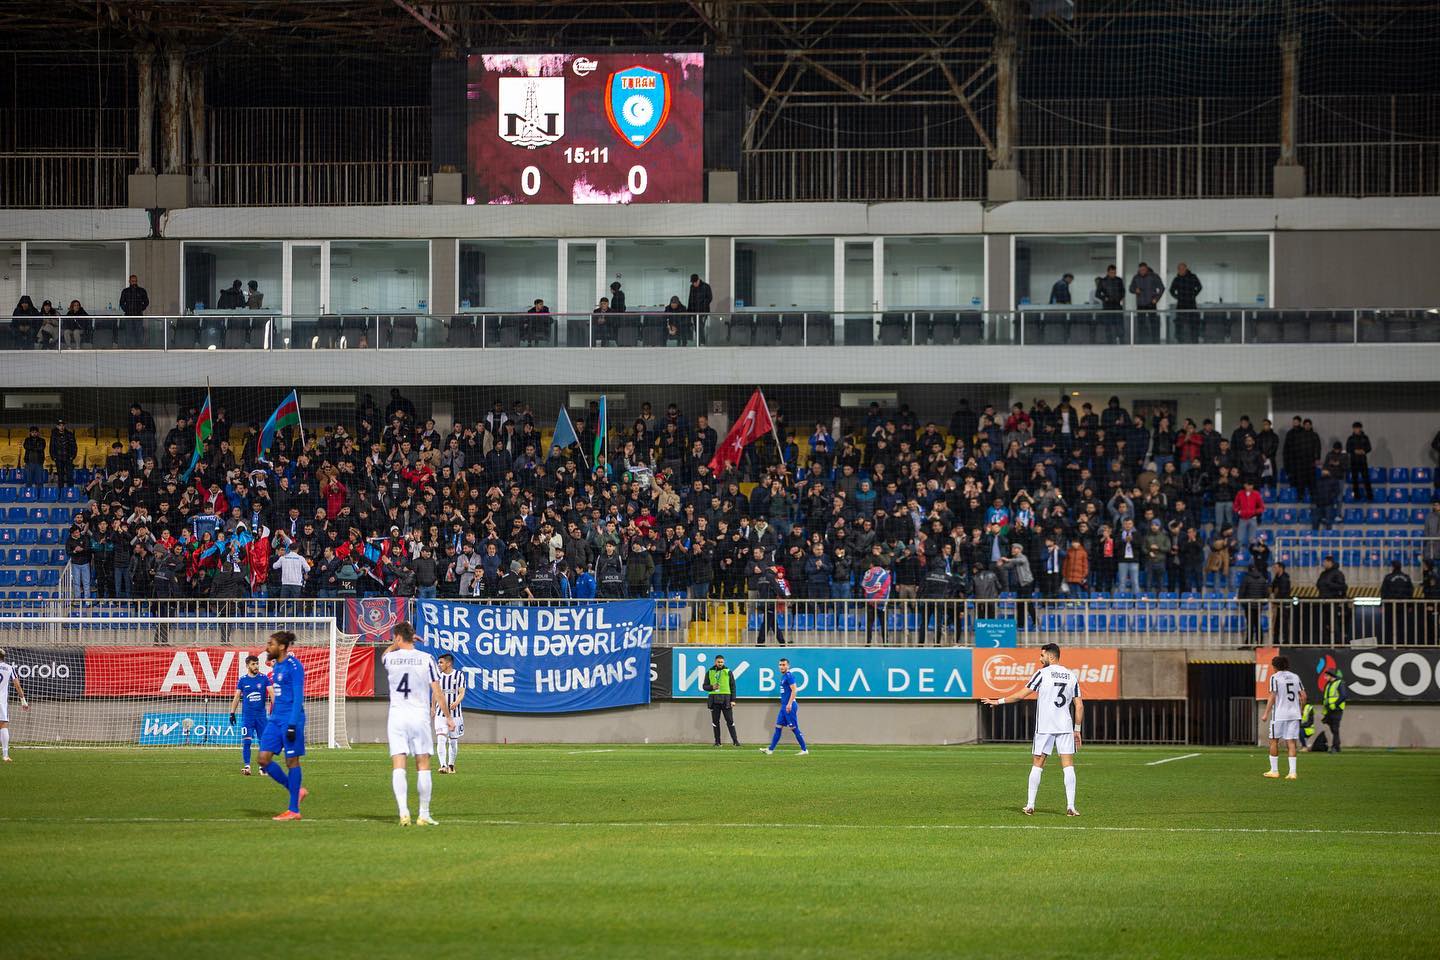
(609, 127)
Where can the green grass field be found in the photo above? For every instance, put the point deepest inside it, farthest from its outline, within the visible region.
(670, 851)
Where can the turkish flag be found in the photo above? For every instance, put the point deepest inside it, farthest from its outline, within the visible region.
(753, 421)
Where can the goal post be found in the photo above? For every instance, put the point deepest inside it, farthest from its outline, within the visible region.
(162, 681)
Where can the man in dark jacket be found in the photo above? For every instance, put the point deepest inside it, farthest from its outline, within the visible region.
(63, 450)
(33, 459)
(1302, 456)
(720, 682)
(610, 574)
(1110, 291)
(1254, 591)
(1395, 590)
(1185, 288)
(1357, 445)
(1334, 617)
(1283, 610)
(134, 299)
(700, 296)
(938, 587)
(1060, 291)
(1328, 493)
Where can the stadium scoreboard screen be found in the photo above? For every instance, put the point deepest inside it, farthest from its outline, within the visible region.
(609, 127)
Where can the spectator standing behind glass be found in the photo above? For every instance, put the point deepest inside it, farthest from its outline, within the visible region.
(617, 298)
(1060, 292)
(1185, 288)
(133, 299)
(22, 320)
(1147, 287)
(1110, 291)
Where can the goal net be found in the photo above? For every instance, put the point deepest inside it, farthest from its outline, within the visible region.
(161, 681)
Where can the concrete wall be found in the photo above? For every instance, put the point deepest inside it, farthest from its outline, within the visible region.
(1400, 422)
(1390, 725)
(1356, 268)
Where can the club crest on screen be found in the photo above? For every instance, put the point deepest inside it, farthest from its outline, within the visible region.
(637, 102)
(531, 110)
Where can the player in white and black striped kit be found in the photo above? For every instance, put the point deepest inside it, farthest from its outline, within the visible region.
(1286, 699)
(7, 674)
(447, 737)
(1057, 692)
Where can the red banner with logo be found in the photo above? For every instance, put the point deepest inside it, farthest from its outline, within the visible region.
(1004, 672)
(208, 671)
(373, 619)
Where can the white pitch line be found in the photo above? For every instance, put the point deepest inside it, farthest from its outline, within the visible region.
(590, 751)
(708, 825)
(1156, 763)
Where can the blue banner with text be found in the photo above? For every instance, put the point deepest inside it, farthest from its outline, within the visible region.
(544, 659)
(831, 673)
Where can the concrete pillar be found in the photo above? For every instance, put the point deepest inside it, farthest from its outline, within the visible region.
(1004, 181)
(200, 170)
(1289, 174)
(443, 282)
(141, 182)
(717, 274)
(172, 185)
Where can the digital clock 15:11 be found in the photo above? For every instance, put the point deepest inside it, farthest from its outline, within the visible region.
(581, 155)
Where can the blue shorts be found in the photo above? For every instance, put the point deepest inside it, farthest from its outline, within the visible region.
(273, 739)
(254, 726)
(788, 718)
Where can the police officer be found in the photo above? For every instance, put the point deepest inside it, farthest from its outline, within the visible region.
(1307, 729)
(1333, 700)
(610, 574)
(544, 584)
(721, 684)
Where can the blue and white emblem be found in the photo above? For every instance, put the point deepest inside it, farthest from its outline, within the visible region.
(637, 102)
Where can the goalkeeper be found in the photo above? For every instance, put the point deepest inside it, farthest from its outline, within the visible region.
(250, 692)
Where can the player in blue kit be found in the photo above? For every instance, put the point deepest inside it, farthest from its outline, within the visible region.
(789, 712)
(286, 730)
(250, 691)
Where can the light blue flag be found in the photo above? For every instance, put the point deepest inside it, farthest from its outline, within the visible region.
(564, 435)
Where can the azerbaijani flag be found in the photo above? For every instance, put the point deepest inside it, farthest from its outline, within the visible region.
(203, 429)
(285, 415)
(600, 430)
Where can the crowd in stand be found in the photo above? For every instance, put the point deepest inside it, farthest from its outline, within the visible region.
(1048, 501)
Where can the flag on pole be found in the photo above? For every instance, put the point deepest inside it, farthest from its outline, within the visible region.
(285, 415)
(564, 435)
(203, 430)
(754, 421)
(601, 426)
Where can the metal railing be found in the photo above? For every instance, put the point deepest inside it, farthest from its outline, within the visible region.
(1214, 624)
(1030, 326)
(1365, 560)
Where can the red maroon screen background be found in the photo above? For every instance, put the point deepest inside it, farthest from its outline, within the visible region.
(524, 147)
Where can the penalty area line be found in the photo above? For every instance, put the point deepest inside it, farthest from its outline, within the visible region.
(1156, 763)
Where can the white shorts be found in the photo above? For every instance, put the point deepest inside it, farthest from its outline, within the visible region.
(1061, 743)
(410, 734)
(1284, 729)
(442, 730)
(4, 712)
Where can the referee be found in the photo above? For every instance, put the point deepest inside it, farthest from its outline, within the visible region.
(721, 684)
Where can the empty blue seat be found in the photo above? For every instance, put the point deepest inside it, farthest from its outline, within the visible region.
(1353, 515)
(50, 578)
(1421, 495)
(1399, 474)
(1398, 495)
(1304, 515)
(1234, 623)
(70, 495)
(1287, 516)
(15, 515)
(1074, 622)
(1268, 516)
(1417, 515)
(1165, 623)
(1375, 515)
(1397, 515)
(27, 495)
(38, 515)
(56, 515)
(1377, 474)
(7, 535)
(39, 557)
(1140, 622)
(49, 495)
(50, 535)
(1189, 622)
(1422, 475)
(29, 579)
(1097, 623)
(1050, 623)
(1117, 623)
(7, 494)
(57, 557)
(27, 536)
(1287, 495)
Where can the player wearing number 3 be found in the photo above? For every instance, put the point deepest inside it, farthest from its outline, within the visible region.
(415, 695)
(1056, 690)
(1286, 698)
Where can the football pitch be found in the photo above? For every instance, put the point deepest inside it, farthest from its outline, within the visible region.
(690, 851)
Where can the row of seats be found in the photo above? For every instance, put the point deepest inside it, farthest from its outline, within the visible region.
(35, 557)
(15, 476)
(1045, 622)
(47, 515)
(30, 578)
(46, 494)
(1350, 515)
(1380, 475)
(1386, 494)
(942, 329)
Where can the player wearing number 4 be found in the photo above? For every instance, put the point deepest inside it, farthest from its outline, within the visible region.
(250, 692)
(415, 695)
(285, 730)
(7, 674)
(1056, 689)
(1286, 698)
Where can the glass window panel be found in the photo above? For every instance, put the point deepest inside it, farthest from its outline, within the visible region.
(379, 276)
(1233, 269)
(93, 273)
(10, 277)
(789, 273)
(653, 271)
(1041, 261)
(581, 283)
(508, 275)
(212, 268)
(926, 272)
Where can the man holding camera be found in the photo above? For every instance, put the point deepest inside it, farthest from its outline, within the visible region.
(721, 684)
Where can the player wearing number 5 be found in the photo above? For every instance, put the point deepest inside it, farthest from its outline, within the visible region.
(1056, 690)
(415, 695)
(1286, 698)
(7, 675)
